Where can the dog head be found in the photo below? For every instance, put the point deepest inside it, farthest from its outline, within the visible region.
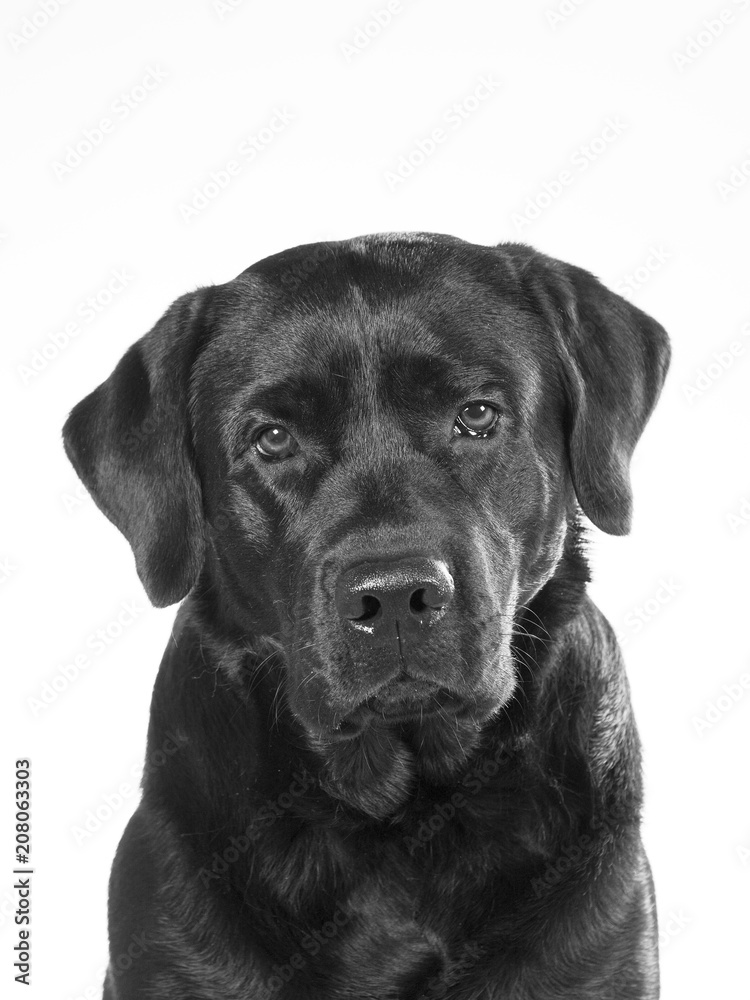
(373, 450)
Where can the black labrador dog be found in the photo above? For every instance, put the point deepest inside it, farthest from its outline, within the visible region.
(391, 750)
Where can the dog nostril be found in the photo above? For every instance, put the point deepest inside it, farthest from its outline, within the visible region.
(429, 598)
(370, 608)
(417, 601)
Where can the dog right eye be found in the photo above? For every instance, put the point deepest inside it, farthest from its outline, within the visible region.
(275, 442)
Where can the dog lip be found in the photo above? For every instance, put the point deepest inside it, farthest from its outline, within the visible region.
(404, 699)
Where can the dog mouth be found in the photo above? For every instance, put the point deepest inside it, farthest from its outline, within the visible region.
(402, 700)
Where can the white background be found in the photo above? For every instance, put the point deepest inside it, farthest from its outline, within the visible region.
(66, 572)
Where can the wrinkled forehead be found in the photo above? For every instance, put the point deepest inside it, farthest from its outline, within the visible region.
(369, 339)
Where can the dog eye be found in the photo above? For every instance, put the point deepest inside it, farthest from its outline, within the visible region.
(476, 420)
(276, 442)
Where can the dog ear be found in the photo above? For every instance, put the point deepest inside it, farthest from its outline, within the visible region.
(614, 361)
(130, 443)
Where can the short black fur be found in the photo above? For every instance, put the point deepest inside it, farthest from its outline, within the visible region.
(328, 812)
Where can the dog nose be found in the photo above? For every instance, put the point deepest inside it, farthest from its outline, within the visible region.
(394, 597)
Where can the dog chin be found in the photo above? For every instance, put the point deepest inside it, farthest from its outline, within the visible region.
(376, 755)
(376, 763)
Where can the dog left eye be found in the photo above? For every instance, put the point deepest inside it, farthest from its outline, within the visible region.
(476, 420)
(276, 442)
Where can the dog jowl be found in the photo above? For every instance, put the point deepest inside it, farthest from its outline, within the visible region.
(363, 465)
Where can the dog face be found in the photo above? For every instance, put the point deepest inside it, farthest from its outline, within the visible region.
(391, 475)
(374, 450)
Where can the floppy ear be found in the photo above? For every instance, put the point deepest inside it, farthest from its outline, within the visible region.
(130, 442)
(614, 360)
